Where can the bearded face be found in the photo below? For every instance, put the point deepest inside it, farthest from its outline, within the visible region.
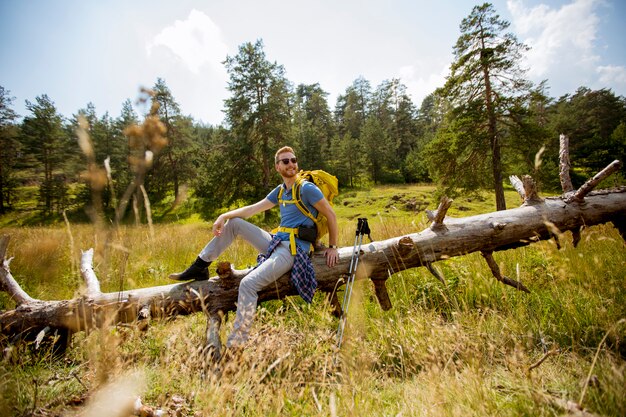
(287, 165)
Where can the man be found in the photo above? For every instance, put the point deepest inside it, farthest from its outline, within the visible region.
(283, 251)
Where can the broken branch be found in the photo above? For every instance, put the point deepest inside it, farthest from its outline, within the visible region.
(564, 164)
(88, 274)
(587, 187)
(495, 270)
(439, 215)
(7, 282)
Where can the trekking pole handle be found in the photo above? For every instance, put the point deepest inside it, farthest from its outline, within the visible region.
(363, 228)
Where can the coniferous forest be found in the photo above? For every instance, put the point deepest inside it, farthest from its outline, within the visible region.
(488, 121)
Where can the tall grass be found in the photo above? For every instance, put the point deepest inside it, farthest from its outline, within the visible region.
(463, 348)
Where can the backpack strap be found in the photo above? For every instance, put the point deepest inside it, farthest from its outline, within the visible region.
(296, 195)
(280, 196)
(293, 231)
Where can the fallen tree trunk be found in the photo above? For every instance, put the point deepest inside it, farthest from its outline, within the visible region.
(537, 219)
(484, 233)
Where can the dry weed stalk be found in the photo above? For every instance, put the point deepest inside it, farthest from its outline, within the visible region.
(95, 175)
(145, 142)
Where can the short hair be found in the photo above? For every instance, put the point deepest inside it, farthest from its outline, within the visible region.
(284, 149)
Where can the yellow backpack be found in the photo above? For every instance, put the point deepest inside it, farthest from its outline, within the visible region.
(328, 185)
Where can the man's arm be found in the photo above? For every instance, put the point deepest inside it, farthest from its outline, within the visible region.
(242, 212)
(324, 207)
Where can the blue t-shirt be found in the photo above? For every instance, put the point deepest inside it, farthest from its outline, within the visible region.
(290, 214)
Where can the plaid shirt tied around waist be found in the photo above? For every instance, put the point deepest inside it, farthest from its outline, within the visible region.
(302, 273)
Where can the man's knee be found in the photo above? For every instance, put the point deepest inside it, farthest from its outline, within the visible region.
(235, 223)
(235, 226)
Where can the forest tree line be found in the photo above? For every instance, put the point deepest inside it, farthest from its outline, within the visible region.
(486, 122)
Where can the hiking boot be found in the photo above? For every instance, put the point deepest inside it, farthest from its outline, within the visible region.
(198, 271)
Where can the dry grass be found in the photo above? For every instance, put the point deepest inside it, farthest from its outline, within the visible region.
(460, 349)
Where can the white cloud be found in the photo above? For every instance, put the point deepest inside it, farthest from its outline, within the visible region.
(561, 39)
(419, 86)
(196, 41)
(612, 75)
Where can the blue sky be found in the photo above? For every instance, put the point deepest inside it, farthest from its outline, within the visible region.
(103, 52)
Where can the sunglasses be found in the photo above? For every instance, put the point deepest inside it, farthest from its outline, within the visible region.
(287, 160)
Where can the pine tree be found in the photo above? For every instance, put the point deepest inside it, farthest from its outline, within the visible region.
(376, 145)
(352, 109)
(173, 166)
(533, 147)
(351, 112)
(589, 118)
(44, 139)
(122, 169)
(394, 110)
(484, 85)
(313, 126)
(258, 114)
(8, 148)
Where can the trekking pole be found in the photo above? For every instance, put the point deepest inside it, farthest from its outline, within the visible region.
(362, 228)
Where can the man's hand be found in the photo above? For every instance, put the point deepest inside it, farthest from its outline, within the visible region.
(242, 212)
(332, 256)
(218, 226)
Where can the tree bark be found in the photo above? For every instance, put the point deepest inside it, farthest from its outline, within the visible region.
(494, 136)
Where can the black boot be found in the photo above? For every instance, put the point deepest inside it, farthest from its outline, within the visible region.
(198, 271)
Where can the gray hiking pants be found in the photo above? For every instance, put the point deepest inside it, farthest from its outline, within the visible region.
(279, 263)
